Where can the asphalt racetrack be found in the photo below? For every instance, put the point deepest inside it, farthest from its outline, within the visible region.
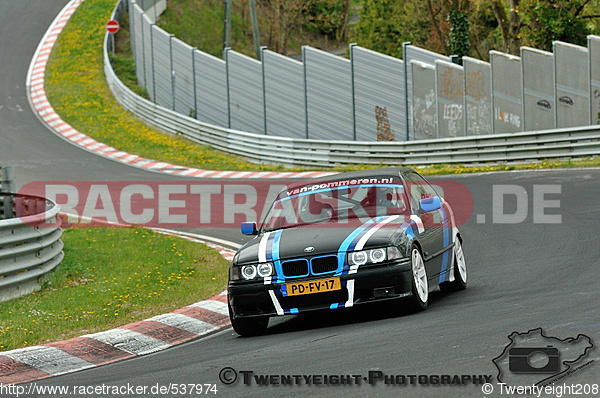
(522, 276)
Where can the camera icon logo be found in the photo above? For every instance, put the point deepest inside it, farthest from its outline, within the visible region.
(542, 360)
(533, 357)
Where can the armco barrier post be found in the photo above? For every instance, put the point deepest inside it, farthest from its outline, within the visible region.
(7, 185)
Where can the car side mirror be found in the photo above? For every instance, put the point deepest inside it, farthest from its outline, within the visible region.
(249, 228)
(430, 204)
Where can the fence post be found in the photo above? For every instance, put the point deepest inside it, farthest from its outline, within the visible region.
(173, 77)
(132, 35)
(153, 72)
(194, 82)
(591, 87)
(305, 89)
(264, 85)
(493, 111)
(226, 58)
(352, 45)
(406, 93)
(7, 185)
(144, 83)
(522, 88)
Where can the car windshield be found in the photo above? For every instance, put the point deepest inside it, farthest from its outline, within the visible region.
(335, 204)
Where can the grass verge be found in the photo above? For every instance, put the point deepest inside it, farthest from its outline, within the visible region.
(77, 89)
(111, 277)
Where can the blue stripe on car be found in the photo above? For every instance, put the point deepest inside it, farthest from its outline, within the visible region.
(407, 227)
(269, 253)
(343, 249)
(445, 255)
(273, 251)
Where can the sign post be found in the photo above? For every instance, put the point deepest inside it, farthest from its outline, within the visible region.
(112, 27)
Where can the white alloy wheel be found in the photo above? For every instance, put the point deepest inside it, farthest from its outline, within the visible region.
(461, 264)
(419, 276)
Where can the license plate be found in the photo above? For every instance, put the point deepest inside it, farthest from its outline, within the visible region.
(310, 287)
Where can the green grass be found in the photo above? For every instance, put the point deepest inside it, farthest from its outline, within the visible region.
(200, 24)
(110, 277)
(122, 60)
(77, 89)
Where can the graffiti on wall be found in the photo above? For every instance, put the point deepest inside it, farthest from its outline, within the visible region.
(424, 122)
(478, 113)
(451, 84)
(478, 119)
(384, 132)
(475, 83)
(453, 116)
(507, 117)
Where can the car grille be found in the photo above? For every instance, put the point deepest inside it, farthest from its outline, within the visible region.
(299, 267)
(295, 268)
(322, 265)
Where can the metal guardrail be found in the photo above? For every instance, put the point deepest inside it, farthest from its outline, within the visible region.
(511, 147)
(30, 245)
(7, 184)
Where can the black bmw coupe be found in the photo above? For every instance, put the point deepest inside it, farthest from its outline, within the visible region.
(344, 240)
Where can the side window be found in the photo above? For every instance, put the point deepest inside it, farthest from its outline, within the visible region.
(416, 190)
(419, 189)
(429, 191)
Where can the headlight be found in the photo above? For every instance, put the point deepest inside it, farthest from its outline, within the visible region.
(358, 258)
(249, 272)
(373, 256)
(264, 270)
(377, 255)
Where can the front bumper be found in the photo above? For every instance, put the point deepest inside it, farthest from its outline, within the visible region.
(370, 284)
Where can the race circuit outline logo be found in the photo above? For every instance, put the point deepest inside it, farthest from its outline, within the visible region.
(532, 354)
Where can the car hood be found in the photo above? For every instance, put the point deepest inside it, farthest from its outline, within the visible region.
(297, 242)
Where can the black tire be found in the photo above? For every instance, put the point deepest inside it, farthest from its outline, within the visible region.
(420, 285)
(253, 326)
(460, 271)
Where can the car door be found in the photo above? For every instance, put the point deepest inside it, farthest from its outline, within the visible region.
(432, 235)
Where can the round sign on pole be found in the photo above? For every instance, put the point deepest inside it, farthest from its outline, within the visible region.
(112, 26)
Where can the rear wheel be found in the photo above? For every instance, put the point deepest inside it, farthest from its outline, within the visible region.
(253, 326)
(460, 270)
(420, 285)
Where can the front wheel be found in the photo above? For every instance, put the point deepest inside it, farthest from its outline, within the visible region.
(420, 285)
(249, 326)
(460, 270)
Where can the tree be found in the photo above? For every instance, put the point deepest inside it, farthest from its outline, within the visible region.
(551, 20)
(461, 26)
(281, 18)
(328, 17)
(459, 42)
(384, 24)
(510, 25)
